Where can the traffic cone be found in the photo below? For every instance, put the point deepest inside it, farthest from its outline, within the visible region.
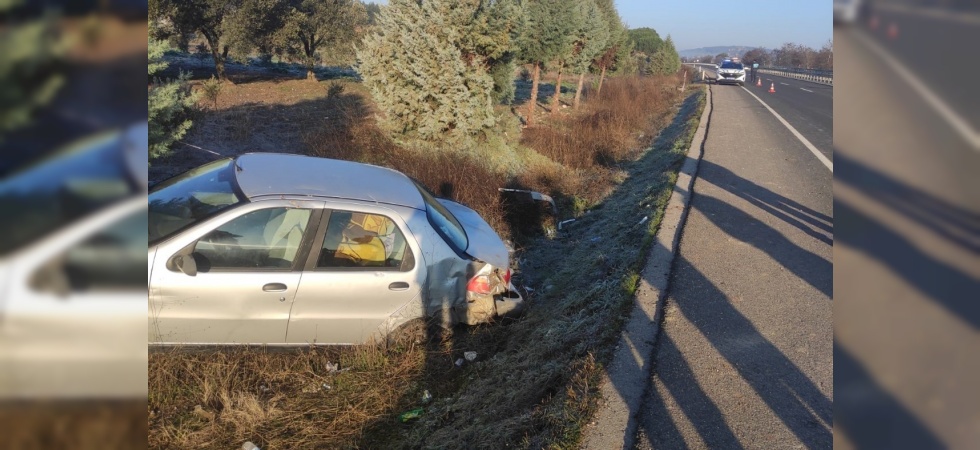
(893, 31)
(772, 88)
(758, 82)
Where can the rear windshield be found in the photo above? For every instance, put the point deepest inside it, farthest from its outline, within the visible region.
(444, 222)
(187, 199)
(731, 65)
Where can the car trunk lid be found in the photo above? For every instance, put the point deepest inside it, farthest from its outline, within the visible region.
(484, 243)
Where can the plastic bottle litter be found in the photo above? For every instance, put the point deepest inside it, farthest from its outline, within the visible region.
(426, 397)
(459, 362)
(411, 415)
(470, 356)
(248, 445)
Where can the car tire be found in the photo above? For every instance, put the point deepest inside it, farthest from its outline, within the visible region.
(412, 333)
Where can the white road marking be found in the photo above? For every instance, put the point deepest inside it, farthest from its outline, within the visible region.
(784, 84)
(970, 19)
(826, 162)
(805, 89)
(956, 121)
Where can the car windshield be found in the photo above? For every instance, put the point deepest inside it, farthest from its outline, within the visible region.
(443, 221)
(187, 199)
(73, 184)
(731, 65)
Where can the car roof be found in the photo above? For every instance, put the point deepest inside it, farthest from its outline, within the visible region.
(265, 174)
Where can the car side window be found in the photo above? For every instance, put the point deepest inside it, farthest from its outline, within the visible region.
(262, 239)
(111, 260)
(362, 240)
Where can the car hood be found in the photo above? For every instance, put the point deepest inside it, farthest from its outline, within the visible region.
(484, 243)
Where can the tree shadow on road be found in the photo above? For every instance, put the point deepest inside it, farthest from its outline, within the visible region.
(868, 415)
(954, 223)
(788, 392)
(805, 265)
(813, 223)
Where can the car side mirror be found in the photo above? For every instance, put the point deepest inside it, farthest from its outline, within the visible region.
(52, 278)
(186, 264)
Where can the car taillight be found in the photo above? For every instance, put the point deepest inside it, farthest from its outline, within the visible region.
(479, 284)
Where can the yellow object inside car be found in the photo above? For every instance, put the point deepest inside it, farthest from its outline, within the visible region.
(364, 239)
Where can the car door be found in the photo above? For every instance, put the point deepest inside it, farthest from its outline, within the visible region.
(363, 277)
(72, 315)
(248, 265)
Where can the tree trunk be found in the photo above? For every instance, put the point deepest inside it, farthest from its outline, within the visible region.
(578, 91)
(310, 76)
(556, 104)
(219, 62)
(602, 77)
(534, 94)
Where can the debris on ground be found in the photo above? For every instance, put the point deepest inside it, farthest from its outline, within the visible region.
(411, 415)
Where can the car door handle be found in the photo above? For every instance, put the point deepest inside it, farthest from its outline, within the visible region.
(398, 286)
(274, 287)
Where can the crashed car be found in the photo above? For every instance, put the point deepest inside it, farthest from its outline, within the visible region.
(285, 249)
(72, 292)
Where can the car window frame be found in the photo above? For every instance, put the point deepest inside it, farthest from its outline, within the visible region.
(316, 246)
(302, 253)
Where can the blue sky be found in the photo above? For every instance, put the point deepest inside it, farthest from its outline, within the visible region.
(707, 23)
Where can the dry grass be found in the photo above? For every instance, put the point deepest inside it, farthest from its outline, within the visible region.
(277, 399)
(534, 383)
(103, 425)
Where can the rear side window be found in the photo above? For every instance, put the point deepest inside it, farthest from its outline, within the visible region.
(444, 222)
(356, 239)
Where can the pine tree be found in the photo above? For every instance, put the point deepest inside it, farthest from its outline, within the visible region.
(423, 66)
(591, 40)
(542, 39)
(617, 48)
(168, 104)
(29, 54)
(573, 19)
(665, 61)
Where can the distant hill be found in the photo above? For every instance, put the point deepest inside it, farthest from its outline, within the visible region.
(732, 50)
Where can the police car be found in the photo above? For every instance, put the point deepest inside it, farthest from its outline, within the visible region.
(731, 71)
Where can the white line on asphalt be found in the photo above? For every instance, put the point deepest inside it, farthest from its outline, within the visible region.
(826, 162)
(805, 89)
(784, 84)
(956, 121)
(958, 16)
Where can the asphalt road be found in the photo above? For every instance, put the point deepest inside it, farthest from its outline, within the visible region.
(933, 44)
(744, 356)
(807, 106)
(907, 221)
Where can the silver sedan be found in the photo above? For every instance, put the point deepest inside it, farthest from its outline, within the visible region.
(293, 250)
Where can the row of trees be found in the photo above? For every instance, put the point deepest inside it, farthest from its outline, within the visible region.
(788, 55)
(437, 67)
(654, 56)
(308, 31)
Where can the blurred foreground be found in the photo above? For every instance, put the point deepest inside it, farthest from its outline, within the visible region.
(907, 227)
(73, 149)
